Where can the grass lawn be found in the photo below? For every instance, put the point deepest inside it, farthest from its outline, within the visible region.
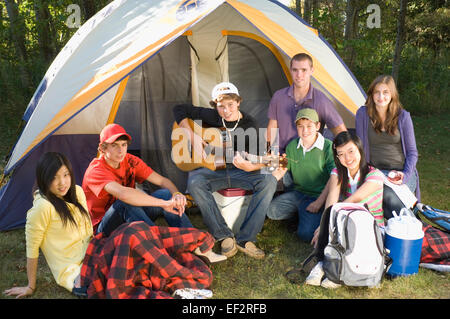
(245, 278)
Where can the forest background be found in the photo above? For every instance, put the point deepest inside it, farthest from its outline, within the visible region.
(406, 38)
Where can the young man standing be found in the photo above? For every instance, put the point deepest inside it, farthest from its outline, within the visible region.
(310, 160)
(109, 184)
(286, 102)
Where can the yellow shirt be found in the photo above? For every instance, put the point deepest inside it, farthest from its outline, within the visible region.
(63, 247)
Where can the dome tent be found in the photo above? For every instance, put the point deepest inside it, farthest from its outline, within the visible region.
(135, 59)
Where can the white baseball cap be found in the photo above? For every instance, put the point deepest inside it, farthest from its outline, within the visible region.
(223, 88)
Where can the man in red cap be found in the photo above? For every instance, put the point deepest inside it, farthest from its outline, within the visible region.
(109, 185)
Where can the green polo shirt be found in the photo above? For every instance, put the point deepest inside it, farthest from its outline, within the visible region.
(311, 168)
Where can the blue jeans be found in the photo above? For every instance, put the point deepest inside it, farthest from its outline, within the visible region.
(288, 181)
(286, 205)
(204, 182)
(391, 202)
(121, 212)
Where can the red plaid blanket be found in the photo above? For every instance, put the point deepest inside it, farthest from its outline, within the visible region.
(435, 246)
(139, 261)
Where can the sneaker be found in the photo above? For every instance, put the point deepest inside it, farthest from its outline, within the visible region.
(228, 247)
(315, 276)
(210, 255)
(327, 283)
(251, 250)
(189, 293)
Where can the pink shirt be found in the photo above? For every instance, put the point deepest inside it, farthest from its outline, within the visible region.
(375, 200)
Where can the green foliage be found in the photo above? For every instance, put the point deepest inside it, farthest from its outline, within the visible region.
(430, 29)
(423, 77)
(432, 134)
(424, 81)
(427, 38)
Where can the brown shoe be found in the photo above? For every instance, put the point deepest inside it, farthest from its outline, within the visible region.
(228, 247)
(210, 255)
(251, 250)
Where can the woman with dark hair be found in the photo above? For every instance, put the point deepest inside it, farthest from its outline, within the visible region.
(387, 133)
(352, 181)
(58, 223)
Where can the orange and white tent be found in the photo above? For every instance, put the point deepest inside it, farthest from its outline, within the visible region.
(135, 59)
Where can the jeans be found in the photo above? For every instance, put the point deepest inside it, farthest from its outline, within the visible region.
(391, 202)
(121, 212)
(288, 181)
(286, 205)
(204, 182)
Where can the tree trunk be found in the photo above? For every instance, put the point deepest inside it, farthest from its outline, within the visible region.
(400, 39)
(89, 8)
(315, 13)
(17, 27)
(350, 16)
(307, 11)
(298, 7)
(43, 30)
(351, 23)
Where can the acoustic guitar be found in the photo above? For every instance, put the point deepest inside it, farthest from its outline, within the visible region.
(217, 150)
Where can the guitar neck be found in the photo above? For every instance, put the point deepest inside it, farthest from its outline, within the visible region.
(255, 159)
(268, 160)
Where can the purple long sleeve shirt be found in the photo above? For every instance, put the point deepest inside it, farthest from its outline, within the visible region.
(406, 129)
(283, 108)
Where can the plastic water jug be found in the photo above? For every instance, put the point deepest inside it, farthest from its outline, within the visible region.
(404, 236)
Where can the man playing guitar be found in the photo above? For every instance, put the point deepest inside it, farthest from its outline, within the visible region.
(240, 134)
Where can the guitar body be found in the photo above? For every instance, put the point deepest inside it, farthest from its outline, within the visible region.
(183, 154)
(187, 160)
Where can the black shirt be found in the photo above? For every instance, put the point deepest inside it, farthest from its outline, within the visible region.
(246, 137)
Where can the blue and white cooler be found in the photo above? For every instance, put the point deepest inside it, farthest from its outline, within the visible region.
(403, 239)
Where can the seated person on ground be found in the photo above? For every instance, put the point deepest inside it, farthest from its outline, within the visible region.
(109, 184)
(310, 161)
(239, 172)
(352, 181)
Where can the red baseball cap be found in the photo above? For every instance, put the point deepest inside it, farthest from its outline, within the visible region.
(111, 133)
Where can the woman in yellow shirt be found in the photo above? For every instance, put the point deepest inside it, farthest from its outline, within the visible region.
(58, 223)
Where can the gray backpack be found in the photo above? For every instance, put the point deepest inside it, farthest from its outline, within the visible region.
(355, 254)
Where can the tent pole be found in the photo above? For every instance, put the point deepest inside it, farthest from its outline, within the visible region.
(267, 44)
(116, 103)
(117, 100)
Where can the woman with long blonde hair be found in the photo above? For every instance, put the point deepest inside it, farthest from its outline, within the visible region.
(387, 132)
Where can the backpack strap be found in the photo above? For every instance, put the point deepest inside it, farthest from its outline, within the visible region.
(322, 240)
(346, 229)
